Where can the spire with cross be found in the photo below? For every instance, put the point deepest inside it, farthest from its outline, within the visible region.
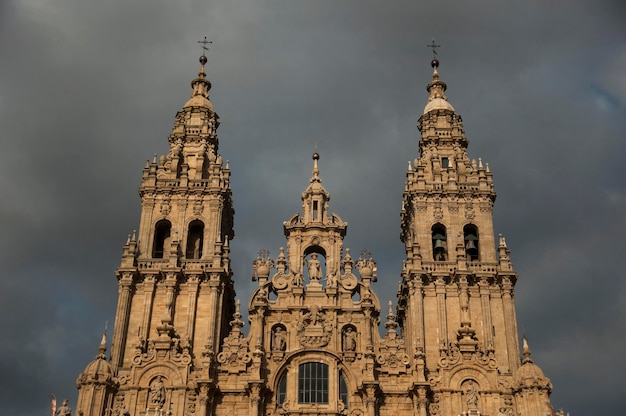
(434, 46)
(205, 48)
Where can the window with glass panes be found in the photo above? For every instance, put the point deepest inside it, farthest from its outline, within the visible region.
(313, 383)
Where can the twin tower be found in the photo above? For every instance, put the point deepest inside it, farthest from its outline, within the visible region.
(313, 346)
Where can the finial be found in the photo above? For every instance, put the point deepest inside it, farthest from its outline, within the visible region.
(527, 358)
(205, 48)
(202, 58)
(103, 342)
(435, 62)
(316, 171)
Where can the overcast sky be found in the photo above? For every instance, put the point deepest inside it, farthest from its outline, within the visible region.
(89, 90)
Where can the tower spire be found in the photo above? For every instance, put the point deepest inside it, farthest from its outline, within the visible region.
(436, 88)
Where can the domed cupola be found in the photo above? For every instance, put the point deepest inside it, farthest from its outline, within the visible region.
(200, 89)
(99, 370)
(315, 197)
(529, 375)
(436, 88)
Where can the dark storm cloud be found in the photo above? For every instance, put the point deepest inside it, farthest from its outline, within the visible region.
(89, 91)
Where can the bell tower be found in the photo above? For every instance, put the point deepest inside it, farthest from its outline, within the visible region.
(455, 300)
(176, 295)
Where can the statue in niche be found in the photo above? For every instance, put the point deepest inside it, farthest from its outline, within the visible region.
(279, 341)
(315, 268)
(349, 339)
(471, 397)
(157, 392)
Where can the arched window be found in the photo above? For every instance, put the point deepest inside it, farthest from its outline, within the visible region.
(281, 394)
(440, 244)
(470, 238)
(195, 237)
(313, 383)
(343, 390)
(162, 232)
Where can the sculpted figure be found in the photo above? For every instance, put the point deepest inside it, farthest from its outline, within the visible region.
(471, 397)
(349, 339)
(279, 343)
(64, 410)
(157, 392)
(314, 266)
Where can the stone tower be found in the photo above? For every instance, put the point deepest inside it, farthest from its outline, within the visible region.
(313, 346)
(176, 295)
(455, 302)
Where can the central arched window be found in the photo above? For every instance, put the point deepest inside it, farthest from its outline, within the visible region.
(313, 383)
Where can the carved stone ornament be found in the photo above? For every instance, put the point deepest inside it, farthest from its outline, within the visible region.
(281, 280)
(348, 281)
(197, 207)
(438, 214)
(235, 355)
(166, 207)
(314, 327)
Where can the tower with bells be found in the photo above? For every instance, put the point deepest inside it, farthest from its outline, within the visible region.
(455, 302)
(176, 296)
(313, 345)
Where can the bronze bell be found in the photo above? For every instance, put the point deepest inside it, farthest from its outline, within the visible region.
(439, 245)
(470, 245)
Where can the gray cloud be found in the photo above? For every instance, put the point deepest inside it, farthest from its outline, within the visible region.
(89, 91)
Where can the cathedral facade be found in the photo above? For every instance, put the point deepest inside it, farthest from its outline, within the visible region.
(313, 346)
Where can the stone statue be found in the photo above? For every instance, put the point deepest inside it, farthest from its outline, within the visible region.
(279, 343)
(331, 280)
(349, 339)
(64, 410)
(471, 397)
(157, 392)
(315, 267)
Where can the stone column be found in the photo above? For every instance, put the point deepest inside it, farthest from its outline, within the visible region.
(510, 324)
(121, 319)
(255, 398)
(212, 302)
(442, 315)
(486, 307)
(370, 399)
(417, 306)
(149, 283)
(192, 284)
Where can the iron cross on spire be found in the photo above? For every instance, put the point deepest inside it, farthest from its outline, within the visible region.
(206, 42)
(432, 45)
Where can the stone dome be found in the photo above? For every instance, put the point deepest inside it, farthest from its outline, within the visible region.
(199, 101)
(438, 104)
(99, 370)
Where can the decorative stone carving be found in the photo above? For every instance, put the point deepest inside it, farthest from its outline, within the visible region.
(392, 357)
(314, 327)
(198, 207)
(235, 355)
(166, 207)
(158, 392)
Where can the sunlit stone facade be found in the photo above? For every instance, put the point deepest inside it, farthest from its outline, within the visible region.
(313, 346)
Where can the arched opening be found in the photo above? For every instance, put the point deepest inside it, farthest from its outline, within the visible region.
(162, 233)
(440, 242)
(343, 390)
(470, 238)
(348, 338)
(279, 338)
(195, 238)
(281, 393)
(314, 266)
